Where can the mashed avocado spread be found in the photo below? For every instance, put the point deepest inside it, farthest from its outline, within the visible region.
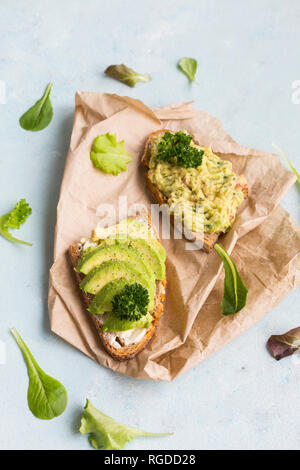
(198, 185)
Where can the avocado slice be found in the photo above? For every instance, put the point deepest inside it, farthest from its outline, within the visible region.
(118, 252)
(146, 251)
(113, 323)
(109, 271)
(134, 229)
(101, 303)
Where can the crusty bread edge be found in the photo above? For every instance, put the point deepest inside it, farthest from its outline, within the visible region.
(123, 353)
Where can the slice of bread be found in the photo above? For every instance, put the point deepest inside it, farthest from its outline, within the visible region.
(205, 240)
(114, 344)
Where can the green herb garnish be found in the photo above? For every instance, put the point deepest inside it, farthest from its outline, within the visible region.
(176, 149)
(235, 292)
(46, 396)
(131, 303)
(40, 114)
(13, 220)
(189, 67)
(105, 432)
(108, 155)
(126, 75)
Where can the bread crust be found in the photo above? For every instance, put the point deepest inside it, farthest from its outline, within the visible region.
(207, 240)
(123, 353)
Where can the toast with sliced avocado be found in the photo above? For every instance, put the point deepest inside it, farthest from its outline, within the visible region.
(121, 274)
(201, 190)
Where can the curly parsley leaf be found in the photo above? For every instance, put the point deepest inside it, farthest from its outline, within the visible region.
(108, 155)
(176, 149)
(105, 432)
(131, 303)
(235, 291)
(126, 75)
(14, 219)
(189, 67)
(40, 114)
(287, 160)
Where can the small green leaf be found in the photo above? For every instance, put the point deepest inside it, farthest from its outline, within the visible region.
(46, 396)
(126, 75)
(189, 67)
(107, 433)
(40, 114)
(109, 155)
(287, 160)
(13, 220)
(235, 292)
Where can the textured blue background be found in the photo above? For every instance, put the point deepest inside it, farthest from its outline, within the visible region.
(248, 56)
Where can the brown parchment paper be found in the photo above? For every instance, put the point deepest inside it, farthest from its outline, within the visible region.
(264, 241)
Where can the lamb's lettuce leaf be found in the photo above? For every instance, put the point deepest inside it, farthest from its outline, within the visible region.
(105, 432)
(126, 75)
(40, 114)
(46, 396)
(189, 67)
(108, 155)
(284, 345)
(235, 291)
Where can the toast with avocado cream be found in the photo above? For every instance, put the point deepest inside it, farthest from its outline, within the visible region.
(188, 177)
(121, 274)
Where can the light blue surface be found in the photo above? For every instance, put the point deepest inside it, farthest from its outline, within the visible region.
(248, 56)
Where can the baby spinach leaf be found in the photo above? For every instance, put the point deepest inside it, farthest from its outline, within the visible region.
(40, 114)
(189, 67)
(235, 292)
(46, 396)
(108, 155)
(126, 75)
(287, 160)
(107, 433)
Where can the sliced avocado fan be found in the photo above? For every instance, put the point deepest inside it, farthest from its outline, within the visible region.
(115, 252)
(110, 271)
(146, 253)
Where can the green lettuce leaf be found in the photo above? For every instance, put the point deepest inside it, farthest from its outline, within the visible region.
(13, 220)
(126, 75)
(235, 292)
(46, 396)
(40, 114)
(109, 155)
(287, 160)
(107, 433)
(189, 67)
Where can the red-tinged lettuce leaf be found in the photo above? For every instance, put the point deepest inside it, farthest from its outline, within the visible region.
(284, 345)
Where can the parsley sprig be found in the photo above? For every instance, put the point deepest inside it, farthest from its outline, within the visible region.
(131, 303)
(14, 219)
(176, 149)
